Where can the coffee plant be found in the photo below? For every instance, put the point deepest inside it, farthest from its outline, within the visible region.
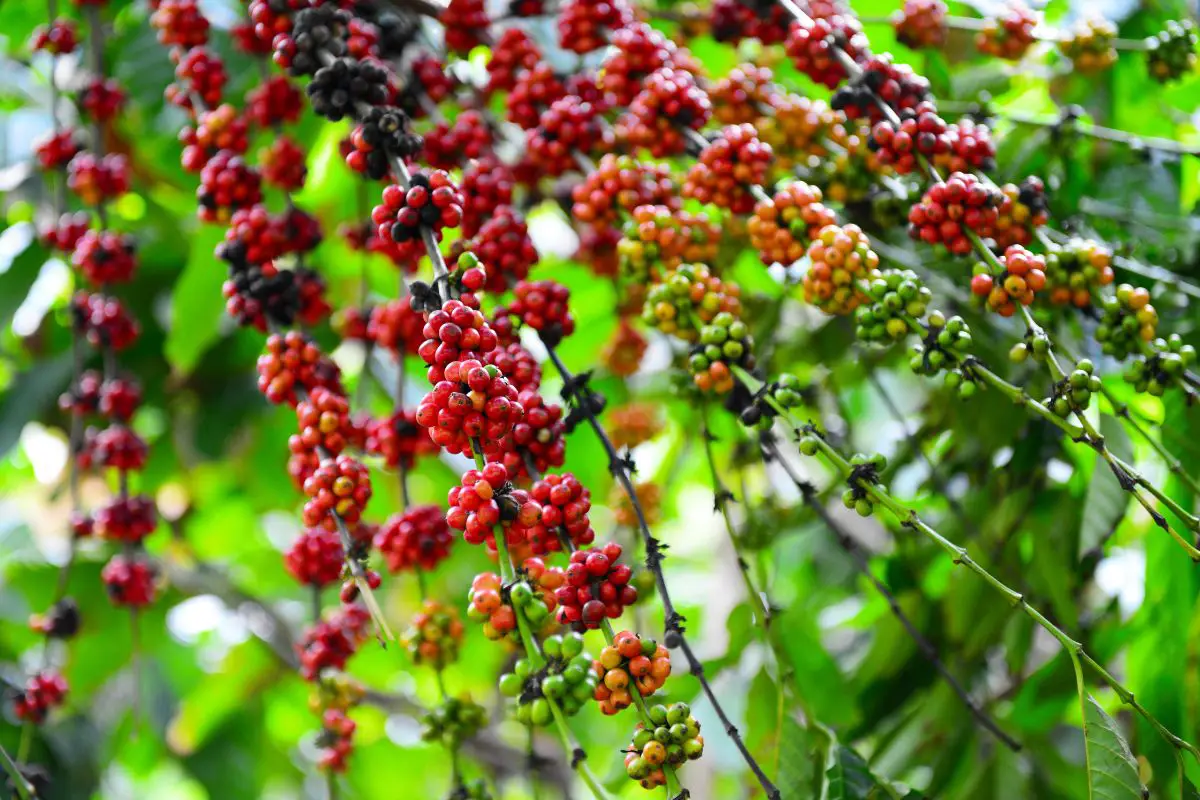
(452, 398)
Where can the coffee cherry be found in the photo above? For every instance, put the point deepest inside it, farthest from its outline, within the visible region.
(431, 202)
(1077, 270)
(315, 558)
(417, 539)
(622, 354)
(180, 23)
(537, 437)
(466, 25)
(66, 232)
(453, 722)
(487, 184)
(337, 90)
(921, 24)
(948, 210)
(503, 245)
(83, 396)
(105, 257)
(58, 38)
(340, 486)
(896, 85)
(429, 83)
(597, 588)
(534, 91)
(636, 52)
(649, 495)
(323, 419)
(621, 183)
(282, 164)
(567, 128)
(42, 692)
(1008, 35)
(1171, 53)
(783, 227)
(921, 132)
(786, 393)
(1160, 367)
(449, 145)
(61, 620)
(98, 179)
(118, 447)
(227, 183)
(565, 503)
(798, 129)
(968, 147)
(335, 740)
(452, 334)
(125, 519)
(434, 636)
(629, 664)
(1089, 45)
(633, 424)
(741, 96)
(566, 678)
(583, 25)
(669, 101)
(517, 365)
(275, 101)
(104, 320)
(841, 261)
(511, 55)
(483, 500)
(292, 361)
(56, 150)
(1073, 394)
(723, 342)
(129, 581)
(688, 298)
(328, 644)
(317, 32)
(727, 167)
(200, 73)
(674, 740)
(532, 595)
(1022, 210)
(863, 469)
(102, 99)
(1127, 322)
(1023, 276)
(895, 295)
(216, 130)
(811, 48)
(945, 343)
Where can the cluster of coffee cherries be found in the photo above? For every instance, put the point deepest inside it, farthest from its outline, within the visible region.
(532, 595)
(597, 587)
(673, 740)
(1073, 394)
(452, 722)
(1008, 35)
(897, 296)
(1076, 271)
(417, 539)
(629, 664)
(724, 342)
(1162, 365)
(948, 212)
(1089, 45)
(434, 636)
(41, 693)
(783, 227)
(1022, 277)
(562, 675)
(688, 298)
(945, 343)
(657, 238)
(1128, 321)
(784, 393)
(921, 24)
(840, 261)
(1171, 53)
(864, 471)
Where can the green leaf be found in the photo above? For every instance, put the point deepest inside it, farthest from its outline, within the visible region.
(18, 275)
(1103, 508)
(197, 304)
(796, 773)
(31, 392)
(850, 778)
(1111, 768)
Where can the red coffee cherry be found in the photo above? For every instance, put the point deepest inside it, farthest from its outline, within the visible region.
(449, 145)
(96, 180)
(970, 148)
(452, 334)
(315, 558)
(417, 539)
(487, 184)
(330, 643)
(542, 305)
(324, 422)
(125, 519)
(583, 25)
(466, 25)
(569, 127)
(948, 210)
(505, 249)
(201, 73)
(340, 486)
(64, 234)
(1008, 35)
(102, 99)
(56, 150)
(733, 20)
(538, 436)
(473, 402)
(275, 101)
(399, 440)
(811, 48)
(104, 320)
(57, 38)
(117, 447)
(180, 23)
(431, 202)
(428, 78)
(896, 85)
(41, 693)
(129, 581)
(227, 183)
(921, 24)
(731, 163)
(636, 52)
(534, 91)
(1024, 276)
(597, 588)
(292, 361)
(336, 740)
(219, 129)
(105, 257)
(670, 100)
(621, 183)
(921, 132)
(282, 164)
(514, 53)
(395, 326)
(83, 396)
(119, 398)
(565, 505)
(517, 365)
(485, 499)
(742, 95)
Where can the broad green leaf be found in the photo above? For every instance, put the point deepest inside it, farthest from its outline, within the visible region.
(18, 275)
(1103, 508)
(796, 769)
(32, 392)
(850, 778)
(196, 304)
(1111, 768)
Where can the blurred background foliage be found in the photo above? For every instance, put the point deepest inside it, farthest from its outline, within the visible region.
(206, 710)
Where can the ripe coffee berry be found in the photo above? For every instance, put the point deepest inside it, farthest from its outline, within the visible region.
(485, 499)
(921, 24)
(56, 150)
(503, 245)
(895, 294)
(396, 327)
(275, 101)
(542, 305)
(486, 185)
(227, 183)
(96, 180)
(783, 227)
(180, 23)
(811, 48)
(340, 486)
(66, 232)
(336, 740)
(399, 440)
(431, 202)
(896, 85)
(921, 132)
(104, 320)
(125, 519)
(1171, 53)
(841, 261)
(1089, 45)
(570, 126)
(727, 167)
(330, 643)
(565, 505)
(58, 38)
(102, 99)
(336, 90)
(105, 257)
(688, 298)
(434, 635)
(621, 183)
(517, 365)
(129, 581)
(538, 437)
(449, 145)
(723, 342)
(315, 558)
(117, 447)
(968, 147)
(669, 100)
(199, 73)
(291, 361)
(674, 739)
(633, 424)
(787, 393)
(282, 164)
(119, 398)
(218, 129)
(949, 210)
(452, 334)
(1023, 276)
(466, 25)
(83, 396)
(1128, 321)
(566, 679)
(636, 52)
(1076, 271)
(734, 20)
(741, 95)
(417, 539)
(513, 54)
(324, 422)
(1008, 35)
(428, 80)
(42, 692)
(534, 91)
(583, 25)
(1023, 209)
(597, 588)
(629, 664)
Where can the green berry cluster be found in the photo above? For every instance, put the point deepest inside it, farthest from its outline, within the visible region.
(688, 298)
(1036, 345)
(1169, 359)
(674, 739)
(453, 722)
(1128, 320)
(864, 469)
(1076, 271)
(566, 678)
(894, 294)
(946, 342)
(724, 341)
(1171, 53)
(787, 393)
(471, 790)
(1074, 393)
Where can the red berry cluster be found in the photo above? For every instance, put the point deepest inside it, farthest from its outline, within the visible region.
(324, 422)
(395, 326)
(569, 127)
(316, 557)
(227, 183)
(57, 149)
(98, 179)
(742, 95)
(105, 257)
(1010, 34)
(419, 538)
(339, 486)
(67, 231)
(486, 184)
(125, 519)
(336, 739)
(539, 435)
(218, 129)
(583, 25)
(130, 581)
(734, 20)
(275, 101)
(448, 145)
(621, 183)
(282, 164)
(429, 78)
(42, 692)
(517, 365)
(1024, 275)
(1024, 209)
(118, 447)
(466, 23)
(57, 38)
(597, 588)
(921, 24)
(330, 643)
(811, 48)
(725, 170)
(503, 245)
(485, 499)
(83, 396)
(104, 320)
(512, 54)
(453, 333)
(669, 100)
(180, 23)
(471, 402)
(102, 99)
(542, 305)
(948, 210)
(119, 398)
(199, 73)
(534, 91)
(431, 202)
(637, 52)
(399, 440)
(565, 505)
(970, 148)
(293, 362)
